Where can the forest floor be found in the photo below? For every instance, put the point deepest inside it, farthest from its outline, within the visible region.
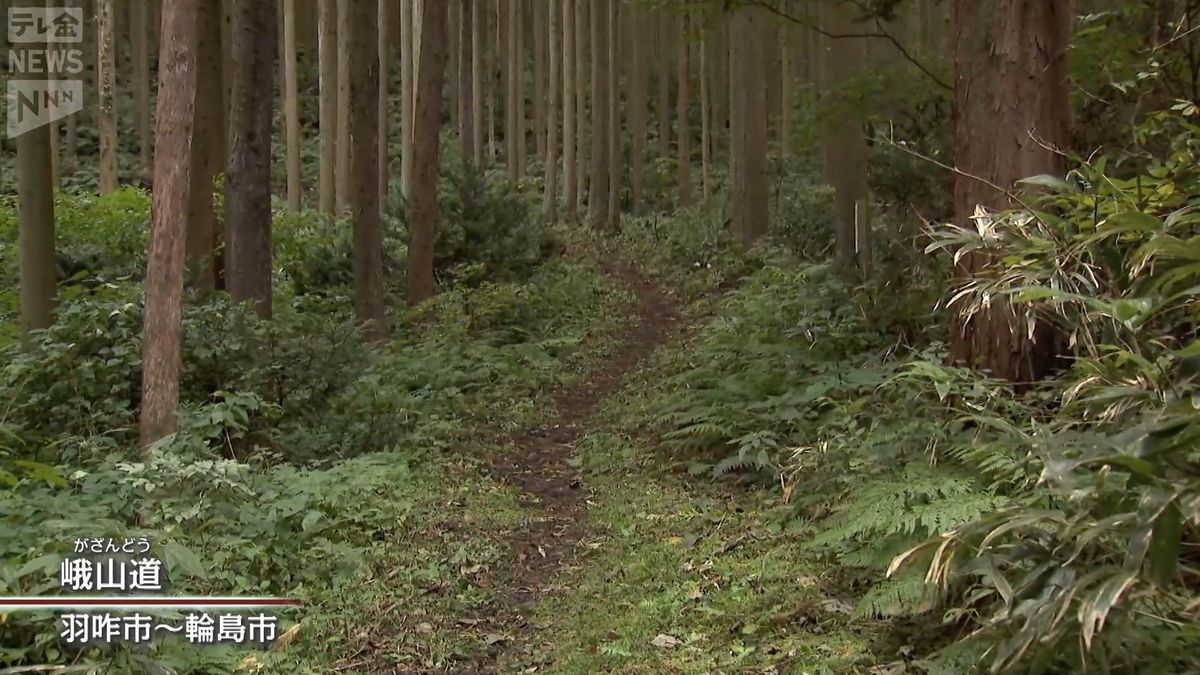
(606, 559)
(538, 461)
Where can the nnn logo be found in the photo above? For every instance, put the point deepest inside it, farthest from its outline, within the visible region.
(35, 103)
(38, 94)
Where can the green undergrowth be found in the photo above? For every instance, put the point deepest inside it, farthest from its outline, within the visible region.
(673, 579)
(968, 524)
(680, 576)
(307, 463)
(785, 384)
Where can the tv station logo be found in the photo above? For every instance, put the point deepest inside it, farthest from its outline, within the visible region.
(41, 55)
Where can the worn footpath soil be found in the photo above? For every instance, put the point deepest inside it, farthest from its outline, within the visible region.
(537, 464)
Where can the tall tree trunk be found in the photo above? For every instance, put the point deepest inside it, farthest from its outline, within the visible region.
(705, 117)
(614, 116)
(291, 104)
(362, 70)
(492, 67)
(582, 13)
(508, 16)
(539, 76)
(248, 186)
(466, 83)
(139, 32)
(478, 35)
(664, 84)
(207, 137)
(327, 54)
(407, 57)
(227, 65)
(518, 42)
(770, 60)
(454, 74)
(55, 155)
(341, 176)
(70, 149)
(430, 80)
(35, 200)
(174, 113)
(720, 88)
(570, 167)
(598, 185)
(787, 96)
(1011, 107)
(106, 69)
(383, 156)
(845, 149)
(550, 199)
(748, 130)
(683, 132)
(638, 75)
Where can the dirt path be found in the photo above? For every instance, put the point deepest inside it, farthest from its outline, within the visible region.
(537, 464)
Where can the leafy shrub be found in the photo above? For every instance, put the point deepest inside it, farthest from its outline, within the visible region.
(802, 210)
(486, 229)
(1093, 565)
(314, 253)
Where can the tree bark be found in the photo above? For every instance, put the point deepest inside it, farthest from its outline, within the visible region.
(570, 166)
(35, 206)
(550, 198)
(327, 53)
(478, 35)
(466, 83)
(106, 66)
(748, 131)
(598, 185)
(664, 84)
(518, 42)
(139, 33)
(207, 140)
(430, 80)
(341, 176)
(845, 149)
(614, 115)
(705, 119)
(511, 75)
(362, 70)
(582, 13)
(174, 113)
(638, 75)
(539, 76)
(248, 186)
(492, 67)
(70, 149)
(291, 104)
(383, 156)
(494, 80)
(407, 57)
(1011, 107)
(787, 77)
(720, 89)
(683, 177)
(453, 64)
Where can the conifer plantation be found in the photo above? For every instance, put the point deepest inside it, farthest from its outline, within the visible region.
(583, 336)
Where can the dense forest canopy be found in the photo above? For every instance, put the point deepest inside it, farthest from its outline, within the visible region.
(812, 336)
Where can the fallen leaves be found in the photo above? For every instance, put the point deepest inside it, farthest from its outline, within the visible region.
(664, 641)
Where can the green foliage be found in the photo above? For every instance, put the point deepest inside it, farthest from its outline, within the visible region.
(486, 229)
(1092, 565)
(801, 209)
(302, 456)
(314, 253)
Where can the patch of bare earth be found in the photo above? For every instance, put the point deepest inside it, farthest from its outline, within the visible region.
(537, 464)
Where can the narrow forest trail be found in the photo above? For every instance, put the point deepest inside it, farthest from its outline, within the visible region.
(536, 462)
